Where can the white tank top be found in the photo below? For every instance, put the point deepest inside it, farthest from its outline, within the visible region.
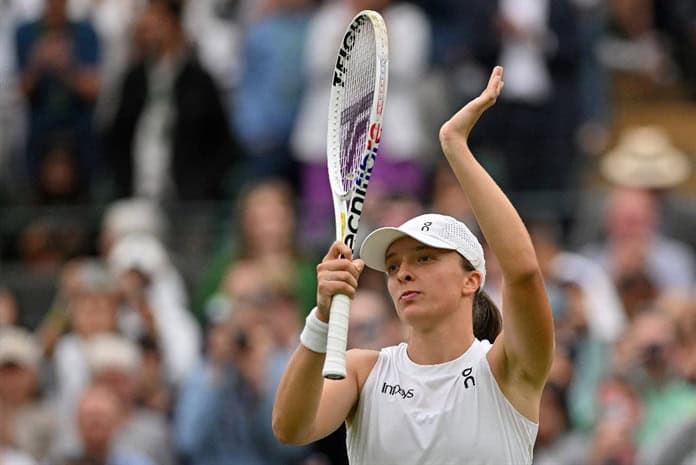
(446, 414)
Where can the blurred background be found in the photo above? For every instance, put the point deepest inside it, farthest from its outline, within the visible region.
(164, 202)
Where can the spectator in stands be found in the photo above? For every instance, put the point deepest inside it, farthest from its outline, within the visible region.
(155, 392)
(677, 446)
(26, 421)
(47, 241)
(116, 363)
(593, 79)
(100, 416)
(683, 312)
(153, 302)
(637, 249)
(588, 315)
(131, 216)
(678, 21)
(632, 43)
(9, 311)
(634, 243)
(92, 310)
(60, 179)
(647, 360)
(463, 42)
(12, 13)
(216, 28)
(556, 442)
(460, 33)
(224, 409)
(602, 314)
(170, 137)
(646, 158)
(538, 44)
(262, 287)
(75, 277)
(264, 230)
(619, 414)
(269, 91)
(114, 22)
(404, 146)
(58, 60)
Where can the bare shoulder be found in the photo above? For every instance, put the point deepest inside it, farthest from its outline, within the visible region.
(361, 361)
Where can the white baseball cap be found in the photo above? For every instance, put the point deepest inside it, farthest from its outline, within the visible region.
(140, 251)
(134, 215)
(19, 346)
(111, 351)
(434, 230)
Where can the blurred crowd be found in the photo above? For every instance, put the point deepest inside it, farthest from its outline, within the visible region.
(125, 124)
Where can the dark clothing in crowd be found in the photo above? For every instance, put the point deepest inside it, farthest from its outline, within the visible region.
(202, 148)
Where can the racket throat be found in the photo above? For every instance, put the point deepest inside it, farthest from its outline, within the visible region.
(351, 217)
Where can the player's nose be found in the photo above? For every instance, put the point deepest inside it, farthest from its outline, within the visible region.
(404, 273)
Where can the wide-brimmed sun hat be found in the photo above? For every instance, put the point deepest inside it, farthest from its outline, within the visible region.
(645, 158)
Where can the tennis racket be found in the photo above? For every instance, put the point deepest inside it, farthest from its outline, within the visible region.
(356, 106)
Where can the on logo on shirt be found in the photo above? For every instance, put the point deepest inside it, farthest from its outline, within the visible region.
(468, 378)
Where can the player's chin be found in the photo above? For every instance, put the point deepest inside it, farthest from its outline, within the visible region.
(412, 312)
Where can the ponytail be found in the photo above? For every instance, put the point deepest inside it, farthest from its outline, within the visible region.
(488, 321)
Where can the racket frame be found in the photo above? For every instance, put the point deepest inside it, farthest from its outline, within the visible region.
(348, 204)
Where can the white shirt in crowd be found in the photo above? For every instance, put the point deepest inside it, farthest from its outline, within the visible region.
(409, 52)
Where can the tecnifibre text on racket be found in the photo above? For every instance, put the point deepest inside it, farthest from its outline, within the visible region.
(356, 106)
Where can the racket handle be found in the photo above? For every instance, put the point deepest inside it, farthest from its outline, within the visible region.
(335, 362)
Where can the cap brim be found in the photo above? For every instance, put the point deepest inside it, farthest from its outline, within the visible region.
(16, 359)
(373, 250)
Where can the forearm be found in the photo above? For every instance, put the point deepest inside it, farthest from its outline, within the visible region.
(497, 217)
(527, 342)
(307, 408)
(86, 84)
(298, 396)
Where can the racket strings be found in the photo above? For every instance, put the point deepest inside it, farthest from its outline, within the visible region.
(357, 103)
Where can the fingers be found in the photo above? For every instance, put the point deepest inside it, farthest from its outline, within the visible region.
(495, 85)
(337, 250)
(340, 269)
(497, 81)
(337, 274)
(496, 77)
(359, 265)
(462, 122)
(330, 284)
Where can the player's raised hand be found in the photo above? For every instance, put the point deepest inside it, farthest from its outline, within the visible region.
(459, 126)
(337, 273)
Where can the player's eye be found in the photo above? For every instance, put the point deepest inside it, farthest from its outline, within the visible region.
(392, 268)
(425, 259)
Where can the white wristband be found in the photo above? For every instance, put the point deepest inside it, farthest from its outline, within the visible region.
(315, 333)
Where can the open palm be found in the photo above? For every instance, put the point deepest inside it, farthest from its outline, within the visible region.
(460, 125)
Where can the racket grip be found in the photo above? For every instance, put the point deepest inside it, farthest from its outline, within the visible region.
(335, 361)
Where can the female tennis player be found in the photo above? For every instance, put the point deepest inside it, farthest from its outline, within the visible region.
(446, 396)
